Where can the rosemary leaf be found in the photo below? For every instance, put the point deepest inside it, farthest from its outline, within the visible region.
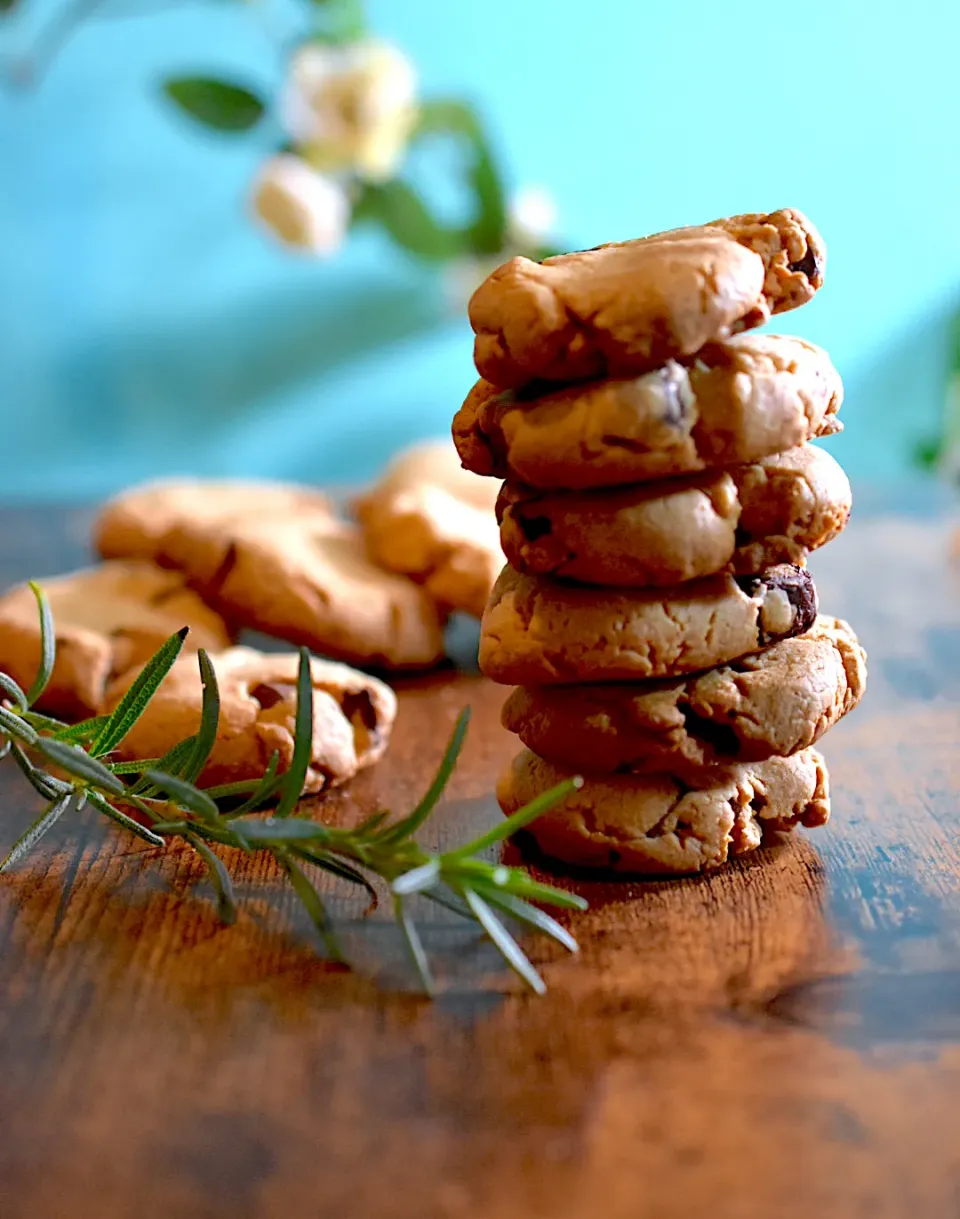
(29, 839)
(13, 726)
(423, 877)
(185, 794)
(522, 817)
(48, 645)
(508, 947)
(527, 913)
(128, 823)
(10, 688)
(302, 742)
(220, 878)
(414, 943)
(136, 767)
(267, 787)
(134, 702)
(81, 765)
(45, 784)
(82, 731)
(312, 902)
(270, 831)
(209, 720)
(408, 825)
(336, 867)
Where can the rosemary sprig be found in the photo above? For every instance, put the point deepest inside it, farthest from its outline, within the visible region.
(160, 802)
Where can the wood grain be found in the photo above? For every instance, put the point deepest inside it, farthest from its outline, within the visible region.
(781, 1039)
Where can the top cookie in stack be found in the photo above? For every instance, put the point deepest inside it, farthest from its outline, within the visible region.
(659, 505)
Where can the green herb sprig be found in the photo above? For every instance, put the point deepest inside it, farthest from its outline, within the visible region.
(158, 800)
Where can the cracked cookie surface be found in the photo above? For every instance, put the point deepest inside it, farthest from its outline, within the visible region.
(742, 520)
(739, 401)
(626, 308)
(106, 619)
(353, 715)
(775, 702)
(286, 566)
(536, 630)
(660, 824)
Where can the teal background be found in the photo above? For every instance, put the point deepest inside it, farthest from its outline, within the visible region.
(147, 328)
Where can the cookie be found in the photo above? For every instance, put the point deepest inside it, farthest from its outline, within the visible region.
(739, 401)
(300, 574)
(353, 715)
(431, 520)
(743, 519)
(138, 523)
(626, 308)
(433, 462)
(541, 631)
(106, 619)
(660, 824)
(775, 702)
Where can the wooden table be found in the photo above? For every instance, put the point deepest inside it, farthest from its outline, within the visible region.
(779, 1040)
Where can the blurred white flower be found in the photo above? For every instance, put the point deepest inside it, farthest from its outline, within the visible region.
(302, 208)
(351, 107)
(531, 218)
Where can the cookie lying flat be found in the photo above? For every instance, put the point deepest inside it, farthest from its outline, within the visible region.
(144, 522)
(774, 702)
(432, 462)
(626, 308)
(660, 824)
(107, 619)
(740, 401)
(743, 519)
(540, 631)
(353, 715)
(296, 572)
(431, 520)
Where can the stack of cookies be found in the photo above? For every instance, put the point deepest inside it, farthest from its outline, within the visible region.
(661, 498)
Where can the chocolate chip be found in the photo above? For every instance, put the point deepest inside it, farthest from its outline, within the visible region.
(268, 694)
(533, 527)
(358, 704)
(809, 265)
(794, 583)
(721, 738)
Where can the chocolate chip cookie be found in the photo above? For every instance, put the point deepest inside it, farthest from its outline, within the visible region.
(627, 308)
(353, 715)
(107, 619)
(739, 401)
(661, 824)
(284, 565)
(431, 520)
(537, 630)
(774, 702)
(743, 519)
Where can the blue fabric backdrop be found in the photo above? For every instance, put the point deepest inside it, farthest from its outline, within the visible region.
(146, 328)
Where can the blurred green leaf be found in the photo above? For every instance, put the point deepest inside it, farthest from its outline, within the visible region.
(928, 452)
(215, 103)
(7, 6)
(487, 234)
(407, 219)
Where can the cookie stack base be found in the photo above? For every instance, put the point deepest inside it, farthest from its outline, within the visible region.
(659, 823)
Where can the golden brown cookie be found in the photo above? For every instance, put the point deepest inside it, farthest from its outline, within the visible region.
(300, 574)
(431, 520)
(660, 824)
(774, 702)
(541, 631)
(139, 523)
(739, 401)
(626, 308)
(743, 519)
(353, 715)
(107, 619)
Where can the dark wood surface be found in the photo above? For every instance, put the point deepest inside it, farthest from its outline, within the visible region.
(781, 1039)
